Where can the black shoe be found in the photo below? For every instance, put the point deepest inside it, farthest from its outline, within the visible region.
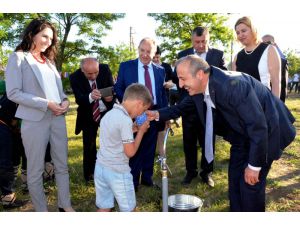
(136, 189)
(146, 183)
(207, 178)
(150, 184)
(188, 178)
(15, 204)
(61, 209)
(68, 209)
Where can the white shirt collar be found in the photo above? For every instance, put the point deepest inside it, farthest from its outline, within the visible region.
(140, 64)
(121, 107)
(207, 95)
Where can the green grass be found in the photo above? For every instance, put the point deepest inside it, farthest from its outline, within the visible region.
(283, 189)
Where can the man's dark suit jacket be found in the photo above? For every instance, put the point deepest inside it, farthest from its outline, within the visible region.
(128, 74)
(168, 70)
(81, 88)
(248, 109)
(214, 57)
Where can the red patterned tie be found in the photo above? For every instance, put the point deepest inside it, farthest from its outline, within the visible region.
(96, 110)
(148, 80)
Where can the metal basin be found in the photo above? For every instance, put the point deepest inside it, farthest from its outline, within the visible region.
(184, 203)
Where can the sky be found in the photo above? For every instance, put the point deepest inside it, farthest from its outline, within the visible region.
(144, 26)
(280, 18)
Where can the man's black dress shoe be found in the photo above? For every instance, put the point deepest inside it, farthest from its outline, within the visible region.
(15, 204)
(150, 184)
(61, 209)
(188, 178)
(207, 178)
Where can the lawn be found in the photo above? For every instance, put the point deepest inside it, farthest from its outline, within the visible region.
(283, 188)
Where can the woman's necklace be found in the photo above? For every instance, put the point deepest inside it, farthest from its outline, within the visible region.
(250, 52)
(42, 60)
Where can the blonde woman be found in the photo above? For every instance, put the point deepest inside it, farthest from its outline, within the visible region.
(257, 59)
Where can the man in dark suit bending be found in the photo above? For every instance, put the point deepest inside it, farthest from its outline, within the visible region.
(86, 83)
(255, 122)
(190, 124)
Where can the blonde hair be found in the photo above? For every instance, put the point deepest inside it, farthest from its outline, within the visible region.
(137, 91)
(247, 21)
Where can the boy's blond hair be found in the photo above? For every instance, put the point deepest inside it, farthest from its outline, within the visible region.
(137, 91)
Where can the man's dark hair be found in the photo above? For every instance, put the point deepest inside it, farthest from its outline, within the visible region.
(198, 31)
(158, 51)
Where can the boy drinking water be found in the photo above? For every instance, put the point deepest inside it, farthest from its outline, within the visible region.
(117, 144)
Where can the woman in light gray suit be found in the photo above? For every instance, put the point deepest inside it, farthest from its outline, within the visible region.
(33, 82)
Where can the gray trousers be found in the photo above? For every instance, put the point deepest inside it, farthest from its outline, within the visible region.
(35, 137)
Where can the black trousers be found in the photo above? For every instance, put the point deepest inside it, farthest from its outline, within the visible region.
(142, 162)
(242, 196)
(193, 133)
(19, 156)
(6, 162)
(174, 97)
(89, 135)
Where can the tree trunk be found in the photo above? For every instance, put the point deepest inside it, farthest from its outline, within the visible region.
(60, 57)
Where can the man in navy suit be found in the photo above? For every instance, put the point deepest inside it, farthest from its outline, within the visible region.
(143, 71)
(245, 112)
(190, 124)
(85, 96)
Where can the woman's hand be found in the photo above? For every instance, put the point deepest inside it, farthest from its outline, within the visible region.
(56, 109)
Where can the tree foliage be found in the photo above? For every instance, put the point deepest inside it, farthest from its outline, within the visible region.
(115, 55)
(293, 62)
(88, 28)
(175, 30)
(3, 61)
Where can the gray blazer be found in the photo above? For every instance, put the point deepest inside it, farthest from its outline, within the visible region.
(24, 86)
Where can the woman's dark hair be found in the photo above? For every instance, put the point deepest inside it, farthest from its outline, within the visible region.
(33, 28)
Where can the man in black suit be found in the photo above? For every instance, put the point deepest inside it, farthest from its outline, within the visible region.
(90, 75)
(255, 122)
(191, 123)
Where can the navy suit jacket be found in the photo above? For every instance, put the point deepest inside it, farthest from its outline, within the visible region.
(249, 111)
(128, 74)
(214, 57)
(82, 88)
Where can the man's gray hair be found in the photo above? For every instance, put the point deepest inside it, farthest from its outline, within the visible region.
(195, 64)
(84, 60)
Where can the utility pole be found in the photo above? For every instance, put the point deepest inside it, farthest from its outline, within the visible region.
(131, 42)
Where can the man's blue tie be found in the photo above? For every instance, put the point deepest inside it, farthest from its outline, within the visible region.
(209, 129)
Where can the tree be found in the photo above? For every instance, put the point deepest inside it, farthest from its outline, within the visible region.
(293, 62)
(89, 29)
(115, 55)
(3, 61)
(176, 28)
